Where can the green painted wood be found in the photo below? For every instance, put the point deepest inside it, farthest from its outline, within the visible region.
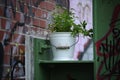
(46, 69)
(40, 73)
(57, 62)
(71, 71)
(106, 21)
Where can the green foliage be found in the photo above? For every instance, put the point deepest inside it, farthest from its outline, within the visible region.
(63, 21)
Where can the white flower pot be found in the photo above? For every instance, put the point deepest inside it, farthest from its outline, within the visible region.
(62, 45)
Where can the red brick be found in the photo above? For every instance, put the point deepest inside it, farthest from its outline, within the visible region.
(3, 23)
(1, 11)
(36, 22)
(44, 14)
(1, 35)
(33, 10)
(34, 2)
(18, 38)
(25, 9)
(42, 5)
(53, 1)
(12, 24)
(49, 6)
(38, 13)
(17, 6)
(28, 20)
(27, 1)
(41, 13)
(6, 59)
(17, 18)
(42, 23)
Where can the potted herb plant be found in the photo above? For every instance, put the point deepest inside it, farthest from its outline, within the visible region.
(63, 33)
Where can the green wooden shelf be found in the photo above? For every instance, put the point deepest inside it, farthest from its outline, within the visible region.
(47, 69)
(57, 62)
(59, 70)
(66, 64)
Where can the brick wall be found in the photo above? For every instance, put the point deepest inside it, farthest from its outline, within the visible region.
(18, 18)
